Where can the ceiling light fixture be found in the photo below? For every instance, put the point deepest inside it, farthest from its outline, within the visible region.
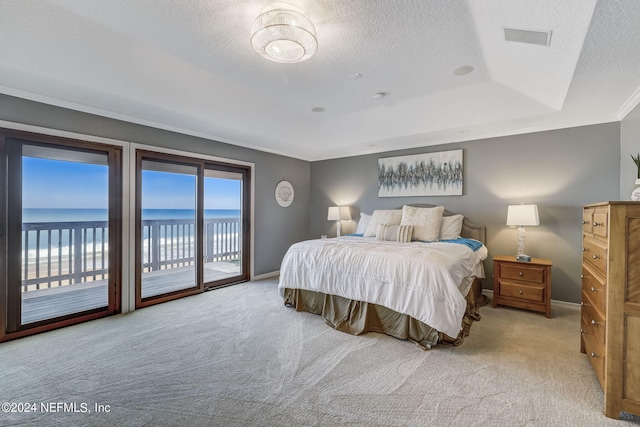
(284, 36)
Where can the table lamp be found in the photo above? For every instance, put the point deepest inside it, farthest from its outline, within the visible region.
(519, 216)
(339, 213)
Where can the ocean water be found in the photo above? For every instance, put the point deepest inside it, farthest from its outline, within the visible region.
(65, 215)
(60, 241)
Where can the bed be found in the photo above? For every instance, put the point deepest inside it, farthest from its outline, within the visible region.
(392, 276)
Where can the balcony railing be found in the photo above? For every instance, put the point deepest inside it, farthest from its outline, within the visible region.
(63, 253)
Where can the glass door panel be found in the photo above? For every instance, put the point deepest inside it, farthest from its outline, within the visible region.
(225, 216)
(65, 233)
(168, 237)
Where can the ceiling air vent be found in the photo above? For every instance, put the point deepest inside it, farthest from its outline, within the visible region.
(542, 38)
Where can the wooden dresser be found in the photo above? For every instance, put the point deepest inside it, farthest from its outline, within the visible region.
(610, 325)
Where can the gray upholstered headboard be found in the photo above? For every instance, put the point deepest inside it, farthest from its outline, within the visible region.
(469, 229)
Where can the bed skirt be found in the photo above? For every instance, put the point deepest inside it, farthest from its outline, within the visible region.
(357, 317)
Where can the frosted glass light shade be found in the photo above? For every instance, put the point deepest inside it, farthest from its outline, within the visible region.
(284, 36)
(523, 215)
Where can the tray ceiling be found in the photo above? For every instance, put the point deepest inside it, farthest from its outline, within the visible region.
(188, 66)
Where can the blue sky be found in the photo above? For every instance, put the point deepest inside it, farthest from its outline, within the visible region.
(61, 184)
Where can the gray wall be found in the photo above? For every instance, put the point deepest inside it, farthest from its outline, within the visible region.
(629, 144)
(559, 170)
(275, 228)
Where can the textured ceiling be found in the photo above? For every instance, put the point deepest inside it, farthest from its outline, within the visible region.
(188, 66)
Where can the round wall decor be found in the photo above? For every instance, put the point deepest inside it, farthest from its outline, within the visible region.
(284, 193)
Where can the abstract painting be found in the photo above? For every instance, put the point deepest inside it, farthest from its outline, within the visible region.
(431, 174)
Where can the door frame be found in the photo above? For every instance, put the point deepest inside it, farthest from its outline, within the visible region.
(135, 301)
(11, 231)
(245, 219)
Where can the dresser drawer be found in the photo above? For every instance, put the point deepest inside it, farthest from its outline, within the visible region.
(592, 323)
(596, 354)
(529, 273)
(594, 289)
(522, 291)
(595, 253)
(600, 223)
(587, 220)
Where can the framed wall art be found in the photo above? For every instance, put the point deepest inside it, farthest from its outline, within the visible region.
(429, 174)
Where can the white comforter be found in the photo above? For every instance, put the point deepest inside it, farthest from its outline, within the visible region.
(427, 281)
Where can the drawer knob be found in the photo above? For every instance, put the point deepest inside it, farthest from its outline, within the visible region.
(581, 331)
(593, 289)
(584, 222)
(520, 292)
(593, 354)
(595, 256)
(520, 273)
(582, 276)
(593, 322)
(582, 303)
(584, 250)
(596, 224)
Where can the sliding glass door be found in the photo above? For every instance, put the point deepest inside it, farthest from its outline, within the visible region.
(191, 226)
(63, 231)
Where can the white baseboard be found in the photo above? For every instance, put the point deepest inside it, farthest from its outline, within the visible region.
(266, 275)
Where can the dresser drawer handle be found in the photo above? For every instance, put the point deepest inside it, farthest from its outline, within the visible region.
(520, 273)
(582, 303)
(582, 276)
(596, 224)
(584, 250)
(520, 292)
(593, 354)
(584, 222)
(581, 331)
(593, 289)
(595, 256)
(593, 322)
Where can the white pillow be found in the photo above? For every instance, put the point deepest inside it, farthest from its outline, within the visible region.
(362, 224)
(425, 221)
(451, 227)
(394, 233)
(380, 216)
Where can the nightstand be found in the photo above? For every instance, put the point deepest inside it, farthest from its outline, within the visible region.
(522, 284)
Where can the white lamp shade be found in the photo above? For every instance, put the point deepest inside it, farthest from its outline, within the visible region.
(523, 215)
(339, 213)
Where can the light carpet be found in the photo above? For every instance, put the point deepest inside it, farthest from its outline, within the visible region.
(237, 356)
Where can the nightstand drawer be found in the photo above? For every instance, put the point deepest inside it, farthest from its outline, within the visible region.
(595, 253)
(522, 291)
(522, 272)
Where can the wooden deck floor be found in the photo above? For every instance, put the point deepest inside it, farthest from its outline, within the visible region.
(54, 302)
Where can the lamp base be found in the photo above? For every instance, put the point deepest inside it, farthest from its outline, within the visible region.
(523, 257)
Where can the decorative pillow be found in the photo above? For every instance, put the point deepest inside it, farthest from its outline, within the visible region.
(362, 224)
(394, 233)
(451, 227)
(380, 216)
(425, 221)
